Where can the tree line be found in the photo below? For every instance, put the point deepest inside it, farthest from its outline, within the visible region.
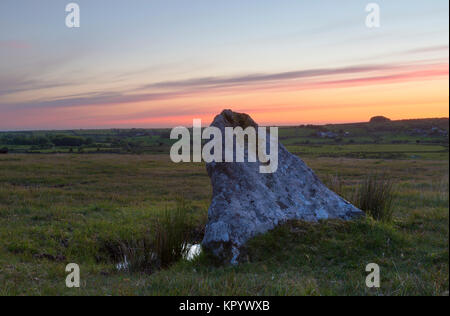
(56, 140)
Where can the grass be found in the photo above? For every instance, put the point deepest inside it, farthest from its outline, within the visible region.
(167, 244)
(173, 235)
(57, 209)
(375, 195)
(383, 151)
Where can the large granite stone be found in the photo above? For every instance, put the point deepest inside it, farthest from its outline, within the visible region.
(246, 202)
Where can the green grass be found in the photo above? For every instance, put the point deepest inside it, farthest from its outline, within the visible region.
(375, 196)
(167, 243)
(56, 209)
(383, 151)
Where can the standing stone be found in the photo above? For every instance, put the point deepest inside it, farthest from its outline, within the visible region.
(246, 202)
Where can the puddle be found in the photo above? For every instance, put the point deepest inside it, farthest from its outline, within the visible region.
(194, 251)
(124, 265)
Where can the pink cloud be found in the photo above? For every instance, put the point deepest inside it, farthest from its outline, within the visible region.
(14, 44)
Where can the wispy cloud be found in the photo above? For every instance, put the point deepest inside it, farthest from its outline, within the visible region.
(295, 80)
(257, 78)
(15, 84)
(430, 49)
(431, 71)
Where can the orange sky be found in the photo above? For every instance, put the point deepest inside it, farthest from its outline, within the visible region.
(413, 92)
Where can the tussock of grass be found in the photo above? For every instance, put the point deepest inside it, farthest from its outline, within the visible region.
(167, 244)
(173, 234)
(375, 196)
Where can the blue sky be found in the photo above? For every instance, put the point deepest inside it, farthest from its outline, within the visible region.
(123, 46)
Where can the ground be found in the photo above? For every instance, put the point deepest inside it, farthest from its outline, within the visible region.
(61, 208)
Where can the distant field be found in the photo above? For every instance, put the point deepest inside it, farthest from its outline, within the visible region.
(62, 208)
(386, 151)
(426, 138)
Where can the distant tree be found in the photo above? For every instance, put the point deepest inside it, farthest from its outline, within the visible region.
(26, 140)
(89, 141)
(4, 150)
(63, 140)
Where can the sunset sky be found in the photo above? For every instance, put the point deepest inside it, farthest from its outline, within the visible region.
(161, 63)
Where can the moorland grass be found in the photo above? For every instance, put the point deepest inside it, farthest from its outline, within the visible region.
(56, 209)
(375, 196)
(168, 243)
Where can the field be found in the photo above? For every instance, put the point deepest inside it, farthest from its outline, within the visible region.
(70, 207)
(57, 209)
(425, 138)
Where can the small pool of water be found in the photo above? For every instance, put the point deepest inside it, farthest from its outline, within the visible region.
(124, 265)
(194, 251)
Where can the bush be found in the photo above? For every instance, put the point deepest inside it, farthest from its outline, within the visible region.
(375, 196)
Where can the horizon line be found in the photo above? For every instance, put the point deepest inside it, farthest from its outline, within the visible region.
(189, 126)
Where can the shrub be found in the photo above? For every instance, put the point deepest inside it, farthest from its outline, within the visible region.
(375, 196)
